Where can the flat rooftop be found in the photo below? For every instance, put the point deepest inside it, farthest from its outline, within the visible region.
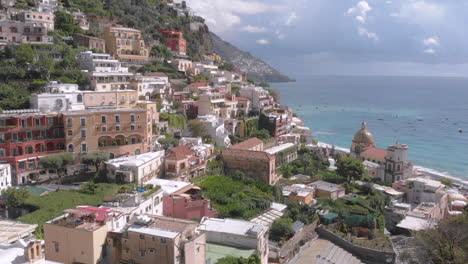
(327, 186)
(168, 186)
(214, 252)
(232, 226)
(135, 161)
(11, 231)
(279, 148)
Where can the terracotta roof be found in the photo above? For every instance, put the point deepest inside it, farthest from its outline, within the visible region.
(180, 153)
(156, 74)
(378, 153)
(242, 99)
(247, 144)
(248, 154)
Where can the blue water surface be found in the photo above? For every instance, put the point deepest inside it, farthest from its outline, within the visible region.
(424, 112)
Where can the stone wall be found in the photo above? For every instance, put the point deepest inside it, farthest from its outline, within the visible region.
(367, 255)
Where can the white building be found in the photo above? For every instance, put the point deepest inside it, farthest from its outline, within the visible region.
(59, 97)
(202, 150)
(99, 62)
(140, 203)
(259, 97)
(152, 86)
(5, 177)
(138, 169)
(216, 129)
(236, 233)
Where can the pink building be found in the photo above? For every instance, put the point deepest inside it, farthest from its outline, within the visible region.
(187, 203)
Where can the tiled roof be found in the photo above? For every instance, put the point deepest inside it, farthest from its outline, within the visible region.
(180, 153)
(242, 99)
(247, 144)
(378, 153)
(248, 154)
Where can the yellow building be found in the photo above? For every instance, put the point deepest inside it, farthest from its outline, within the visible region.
(125, 43)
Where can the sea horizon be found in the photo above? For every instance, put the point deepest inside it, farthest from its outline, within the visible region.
(411, 109)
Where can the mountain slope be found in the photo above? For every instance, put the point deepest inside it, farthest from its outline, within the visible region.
(255, 68)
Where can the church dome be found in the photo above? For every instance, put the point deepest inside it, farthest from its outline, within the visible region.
(363, 136)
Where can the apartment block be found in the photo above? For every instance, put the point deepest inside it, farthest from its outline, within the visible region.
(157, 239)
(219, 105)
(249, 158)
(80, 234)
(90, 42)
(5, 177)
(125, 44)
(25, 137)
(138, 169)
(236, 234)
(181, 163)
(121, 131)
(152, 85)
(187, 203)
(175, 41)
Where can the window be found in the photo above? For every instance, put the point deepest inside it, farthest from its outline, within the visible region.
(2, 153)
(103, 119)
(134, 140)
(37, 121)
(117, 128)
(83, 122)
(56, 247)
(132, 127)
(151, 250)
(142, 236)
(103, 129)
(117, 118)
(29, 134)
(70, 133)
(137, 152)
(50, 120)
(84, 148)
(142, 253)
(15, 137)
(79, 98)
(23, 123)
(29, 150)
(71, 148)
(83, 133)
(132, 118)
(163, 240)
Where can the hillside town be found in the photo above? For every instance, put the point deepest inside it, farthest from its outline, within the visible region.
(153, 155)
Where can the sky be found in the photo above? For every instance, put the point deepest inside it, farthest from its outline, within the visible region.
(346, 37)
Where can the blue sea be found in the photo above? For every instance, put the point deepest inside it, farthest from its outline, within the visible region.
(424, 112)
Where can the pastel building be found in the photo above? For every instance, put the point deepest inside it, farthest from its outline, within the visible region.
(259, 97)
(25, 137)
(187, 203)
(325, 189)
(250, 158)
(181, 163)
(175, 41)
(138, 169)
(80, 234)
(5, 177)
(158, 239)
(216, 129)
(152, 85)
(236, 234)
(219, 105)
(299, 193)
(122, 131)
(89, 42)
(125, 44)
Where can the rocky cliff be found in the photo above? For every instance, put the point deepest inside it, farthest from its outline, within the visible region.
(255, 68)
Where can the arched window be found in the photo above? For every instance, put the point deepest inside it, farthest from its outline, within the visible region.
(29, 150)
(69, 122)
(137, 152)
(79, 98)
(71, 148)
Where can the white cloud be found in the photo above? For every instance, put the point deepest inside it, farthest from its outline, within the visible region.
(291, 18)
(432, 41)
(364, 32)
(429, 51)
(223, 15)
(422, 12)
(360, 10)
(263, 41)
(254, 29)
